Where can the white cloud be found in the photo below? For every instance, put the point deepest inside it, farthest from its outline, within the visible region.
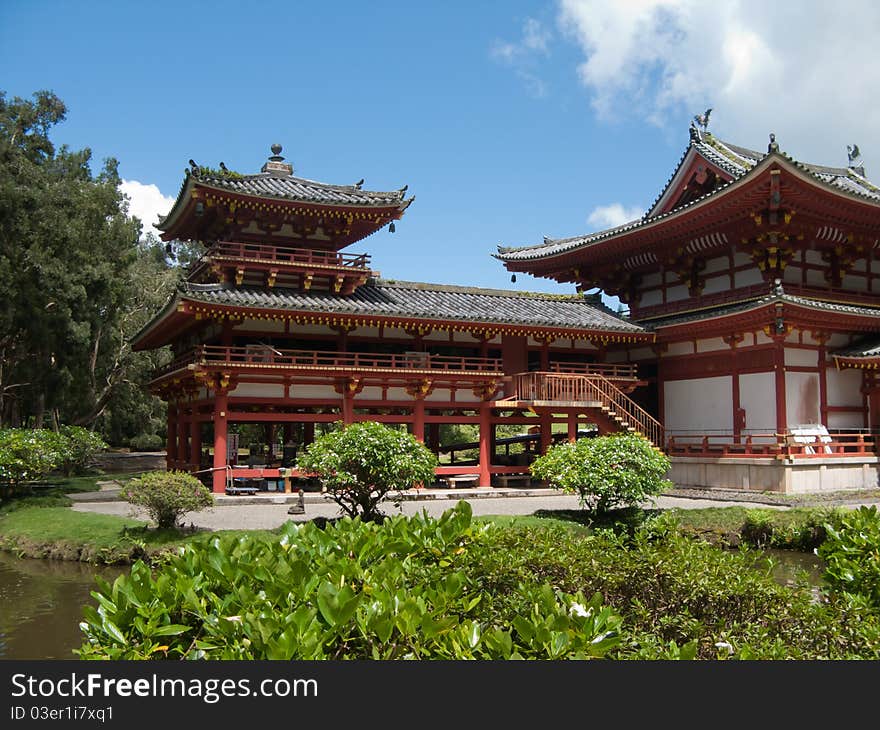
(805, 70)
(147, 203)
(616, 214)
(522, 55)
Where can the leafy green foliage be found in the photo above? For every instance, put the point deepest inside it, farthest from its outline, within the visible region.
(852, 555)
(76, 283)
(356, 590)
(27, 455)
(147, 442)
(802, 529)
(167, 495)
(79, 447)
(606, 472)
(360, 464)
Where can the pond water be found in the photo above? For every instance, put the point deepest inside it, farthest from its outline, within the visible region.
(41, 600)
(41, 605)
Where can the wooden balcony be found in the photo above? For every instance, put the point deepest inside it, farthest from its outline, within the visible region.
(257, 358)
(236, 261)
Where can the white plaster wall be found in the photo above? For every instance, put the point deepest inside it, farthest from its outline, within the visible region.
(716, 284)
(439, 394)
(366, 332)
(757, 395)
(741, 259)
(747, 277)
(846, 420)
(859, 265)
(310, 329)
(650, 298)
(761, 338)
(856, 283)
(815, 278)
(718, 263)
(796, 356)
(584, 345)
(652, 279)
(705, 404)
(676, 293)
(814, 257)
(680, 348)
(372, 392)
(711, 345)
(641, 353)
(801, 398)
(843, 387)
(261, 325)
(259, 390)
(837, 340)
(325, 392)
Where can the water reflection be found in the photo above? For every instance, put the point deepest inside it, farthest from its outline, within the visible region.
(789, 566)
(41, 605)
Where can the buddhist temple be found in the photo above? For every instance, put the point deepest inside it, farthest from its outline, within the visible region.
(759, 277)
(278, 324)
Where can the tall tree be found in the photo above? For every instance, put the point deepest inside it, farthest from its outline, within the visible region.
(67, 252)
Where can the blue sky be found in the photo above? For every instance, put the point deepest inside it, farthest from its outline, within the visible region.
(508, 120)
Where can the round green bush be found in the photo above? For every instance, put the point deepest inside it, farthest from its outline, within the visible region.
(167, 495)
(147, 442)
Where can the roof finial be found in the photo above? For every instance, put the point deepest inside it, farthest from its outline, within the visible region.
(276, 164)
(855, 159)
(773, 146)
(703, 119)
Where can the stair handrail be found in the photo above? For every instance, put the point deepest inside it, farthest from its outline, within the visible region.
(611, 395)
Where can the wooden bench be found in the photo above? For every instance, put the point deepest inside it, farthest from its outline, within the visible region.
(454, 481)
(505, 479)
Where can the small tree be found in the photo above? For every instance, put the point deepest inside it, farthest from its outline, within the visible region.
(27, 455)
(360, 464)
(167, 495)
(618, 470)
(78, 447)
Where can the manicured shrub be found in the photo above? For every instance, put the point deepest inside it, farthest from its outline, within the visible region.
(359, 465)
(852, 554)
(78, 447)
(354, 590)
(27, 455)
(147, 442)
(167, 495)
(618, 470)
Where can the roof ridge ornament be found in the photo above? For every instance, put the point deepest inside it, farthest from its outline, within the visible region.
(774, 145)
(276, 165)
(854, 157)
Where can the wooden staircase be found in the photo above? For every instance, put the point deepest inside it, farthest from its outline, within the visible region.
(613, 409)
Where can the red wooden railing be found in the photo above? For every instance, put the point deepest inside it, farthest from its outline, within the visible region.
(275, 254)
(853, 443)
(264, 355)
(609, 370)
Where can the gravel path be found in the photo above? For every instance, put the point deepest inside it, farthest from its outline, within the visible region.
(232, 516)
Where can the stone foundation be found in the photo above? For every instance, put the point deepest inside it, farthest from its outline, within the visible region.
(786, 476)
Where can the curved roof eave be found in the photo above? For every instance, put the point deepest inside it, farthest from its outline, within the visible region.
(645, 223)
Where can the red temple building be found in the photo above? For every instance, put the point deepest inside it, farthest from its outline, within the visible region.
(279, 324)
(759, 278)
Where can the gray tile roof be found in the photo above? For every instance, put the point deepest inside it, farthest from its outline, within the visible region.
(866, 349)
(736, 161)
(759, 302)
(288, 187)
(428, 301)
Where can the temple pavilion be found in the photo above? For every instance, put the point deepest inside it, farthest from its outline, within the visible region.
(279, 324)
(759, 277)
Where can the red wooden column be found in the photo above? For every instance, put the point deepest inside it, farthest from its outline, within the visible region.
(182, 439)
(195, 441)
(572, 427)
(221, 405)
(546, 431)
(171, 437)
(779, 372)
(485, 445)
(419, 419)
